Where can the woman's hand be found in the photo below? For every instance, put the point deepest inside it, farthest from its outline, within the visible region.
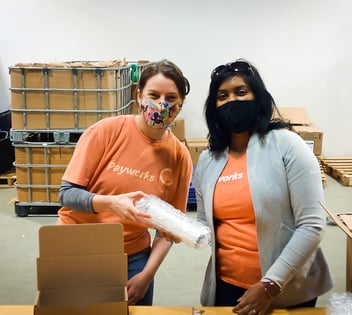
(123, 206)
(137, 287)
(255, 301)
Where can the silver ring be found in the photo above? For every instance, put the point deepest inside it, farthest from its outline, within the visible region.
(253, 311)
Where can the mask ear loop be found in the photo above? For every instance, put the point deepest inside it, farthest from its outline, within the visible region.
(139, 101)
(142, 107)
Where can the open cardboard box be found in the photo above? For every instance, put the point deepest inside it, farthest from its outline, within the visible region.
(81, 269)
(344, 222)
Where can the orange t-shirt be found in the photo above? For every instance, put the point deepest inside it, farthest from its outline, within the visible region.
(234, 220)
(113, 157)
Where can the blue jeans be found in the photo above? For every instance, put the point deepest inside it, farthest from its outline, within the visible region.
(136, 264)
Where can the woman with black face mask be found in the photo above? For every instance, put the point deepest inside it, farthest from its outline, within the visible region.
(259, 189)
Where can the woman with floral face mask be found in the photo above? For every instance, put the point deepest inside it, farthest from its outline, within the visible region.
(258, 188)
(120, 159)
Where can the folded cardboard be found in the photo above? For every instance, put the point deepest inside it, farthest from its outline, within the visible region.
(196, 146)
(344, 222)
(81, 269)
(302, 125)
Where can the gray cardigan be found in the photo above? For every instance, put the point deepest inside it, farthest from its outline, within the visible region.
(286, 187)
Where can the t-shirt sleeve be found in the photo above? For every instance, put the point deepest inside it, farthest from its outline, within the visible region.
(85, 159)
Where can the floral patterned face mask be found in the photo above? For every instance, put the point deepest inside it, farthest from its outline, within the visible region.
(159, 115)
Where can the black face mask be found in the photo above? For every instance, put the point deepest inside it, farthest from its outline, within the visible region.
(238, 116)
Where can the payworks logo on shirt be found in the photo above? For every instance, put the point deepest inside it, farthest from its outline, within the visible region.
(120, 170)
(227, 178)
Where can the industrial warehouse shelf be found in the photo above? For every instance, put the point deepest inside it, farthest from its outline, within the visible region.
(64, 136)
(52, 104)
(24, 209)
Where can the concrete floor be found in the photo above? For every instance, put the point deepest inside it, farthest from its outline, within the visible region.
(180, 277)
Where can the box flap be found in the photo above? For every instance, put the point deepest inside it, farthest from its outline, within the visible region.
(82, 271)
(81, 296)
(106, 309)
(81, 239)
(344, 221)
(106, 301)
(295, 115)
(306, 128)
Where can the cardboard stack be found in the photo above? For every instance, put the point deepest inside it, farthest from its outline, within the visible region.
(196, 146)
(178, 128)
(81, 269)
(303, 126)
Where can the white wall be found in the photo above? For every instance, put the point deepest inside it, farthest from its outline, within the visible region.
(302, 48)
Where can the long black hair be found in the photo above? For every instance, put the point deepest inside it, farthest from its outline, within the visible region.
(219, 139)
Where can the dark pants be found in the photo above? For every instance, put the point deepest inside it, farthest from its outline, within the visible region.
(228, 294)
(136, 264)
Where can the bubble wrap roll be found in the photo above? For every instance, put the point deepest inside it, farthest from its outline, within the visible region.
(170, 219)
(339, 304)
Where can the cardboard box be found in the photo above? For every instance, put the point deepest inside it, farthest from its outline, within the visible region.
(81, 269)
(303, 126)
(312, 135)
(344, 222)
(67, 95)
(178, 128)
(196, 146)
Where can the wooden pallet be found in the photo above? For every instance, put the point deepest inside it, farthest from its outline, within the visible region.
(8, 178)
(339, 168)
(323, 176)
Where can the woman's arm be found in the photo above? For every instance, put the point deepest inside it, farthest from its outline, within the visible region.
(78, 198)
(138, 285)
(75, 197)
